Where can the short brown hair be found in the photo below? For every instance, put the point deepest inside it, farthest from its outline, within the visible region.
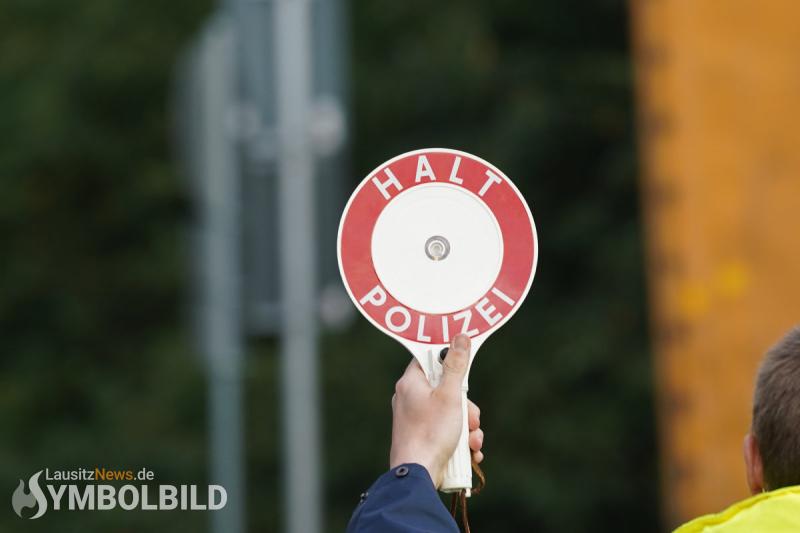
(776, 412)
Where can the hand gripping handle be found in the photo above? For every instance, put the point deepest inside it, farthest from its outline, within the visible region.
(458, 474)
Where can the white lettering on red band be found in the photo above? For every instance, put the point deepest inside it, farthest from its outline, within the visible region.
(421, 330)
(488, 311)
(500, 294)
(466, 316)
(398, 319)
(398, 328)
(454, 172)
(493, 178)
(424, 170)
(376, 297)
(391, 181)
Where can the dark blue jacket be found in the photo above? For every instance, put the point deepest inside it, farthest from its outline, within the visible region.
(403, 500)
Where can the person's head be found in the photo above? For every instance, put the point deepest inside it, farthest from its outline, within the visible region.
(772, 448)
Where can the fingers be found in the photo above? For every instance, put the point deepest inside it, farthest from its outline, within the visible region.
(473, 415)
(455, 365)
(475, 445)
(475, 433)
(412, 378)
(476, 440)
(414, 369)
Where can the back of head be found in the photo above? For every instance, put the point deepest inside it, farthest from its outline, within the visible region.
(776, 413)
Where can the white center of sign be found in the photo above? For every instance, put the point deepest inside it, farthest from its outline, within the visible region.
(437, 248)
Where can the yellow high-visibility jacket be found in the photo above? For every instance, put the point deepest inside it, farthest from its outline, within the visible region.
(770, 512)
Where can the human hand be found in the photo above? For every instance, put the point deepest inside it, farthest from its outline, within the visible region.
(426, 421)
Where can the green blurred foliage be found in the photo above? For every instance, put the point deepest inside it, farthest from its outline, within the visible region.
(97, 365)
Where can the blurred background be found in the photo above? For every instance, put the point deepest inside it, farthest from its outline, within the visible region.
(173, 172)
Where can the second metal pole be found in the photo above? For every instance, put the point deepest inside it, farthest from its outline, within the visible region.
(297, 250)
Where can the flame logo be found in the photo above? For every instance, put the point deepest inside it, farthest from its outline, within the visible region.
(22, 499)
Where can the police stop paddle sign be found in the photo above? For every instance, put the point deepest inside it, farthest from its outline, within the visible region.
(433, 243)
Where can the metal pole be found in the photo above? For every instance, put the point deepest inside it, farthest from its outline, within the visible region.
(297, 266)
(221, 260)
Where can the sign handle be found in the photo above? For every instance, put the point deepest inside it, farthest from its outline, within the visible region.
(458, 474)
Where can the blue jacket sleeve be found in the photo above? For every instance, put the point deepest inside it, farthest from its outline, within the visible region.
(403, 500)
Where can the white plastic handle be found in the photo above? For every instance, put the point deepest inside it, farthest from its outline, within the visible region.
(458, 474)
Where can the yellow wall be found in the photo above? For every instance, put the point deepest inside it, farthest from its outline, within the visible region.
(718, 86)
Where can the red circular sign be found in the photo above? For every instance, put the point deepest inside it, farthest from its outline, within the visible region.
(449, 170)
